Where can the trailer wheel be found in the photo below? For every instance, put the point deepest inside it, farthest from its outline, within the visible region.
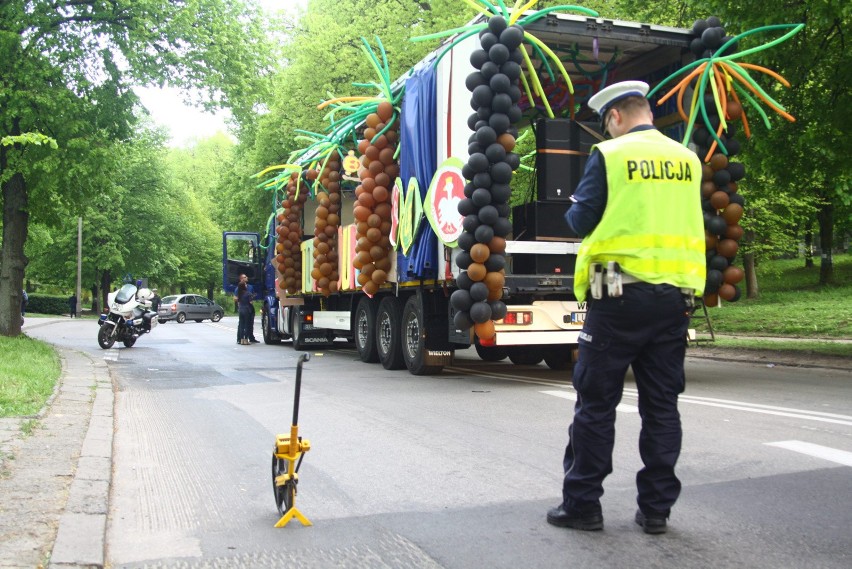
(364, 330)
(525, 355)
(490, 353)
(389, 333)
(414, 339)
(558, 357)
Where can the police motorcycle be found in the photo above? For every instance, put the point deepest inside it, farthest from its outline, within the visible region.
(130, 314)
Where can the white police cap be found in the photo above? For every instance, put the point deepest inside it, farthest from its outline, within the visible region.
(601, 101)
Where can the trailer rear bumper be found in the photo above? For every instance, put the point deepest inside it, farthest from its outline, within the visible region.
(529, 338)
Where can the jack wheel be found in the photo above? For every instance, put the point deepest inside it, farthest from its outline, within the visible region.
(284, 495)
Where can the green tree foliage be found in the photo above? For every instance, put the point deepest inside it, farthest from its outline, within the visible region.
(65, 71)
(808, 158)
(322, 59)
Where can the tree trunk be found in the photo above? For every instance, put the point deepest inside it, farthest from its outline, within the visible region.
(106, 284)
(809, 248)
(752, 290)
(95, 307)
(825, 217)
(12, 259)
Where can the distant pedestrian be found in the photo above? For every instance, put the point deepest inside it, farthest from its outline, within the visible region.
(25, 299)
(73, 305)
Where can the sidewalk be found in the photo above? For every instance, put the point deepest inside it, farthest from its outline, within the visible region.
(56, 470)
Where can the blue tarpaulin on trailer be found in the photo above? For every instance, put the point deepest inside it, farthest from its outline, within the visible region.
(418, 160)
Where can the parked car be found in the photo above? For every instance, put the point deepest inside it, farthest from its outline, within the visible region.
(183, 307)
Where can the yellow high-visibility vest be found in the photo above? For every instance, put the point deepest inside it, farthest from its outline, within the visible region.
(652, 225)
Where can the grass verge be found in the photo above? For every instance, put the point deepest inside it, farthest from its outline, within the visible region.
(29, 370)
(791, 303)
(815, 347)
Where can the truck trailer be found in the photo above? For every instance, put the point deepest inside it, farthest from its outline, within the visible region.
(409, 321)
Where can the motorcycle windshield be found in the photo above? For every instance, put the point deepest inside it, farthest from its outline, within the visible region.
(125, 294)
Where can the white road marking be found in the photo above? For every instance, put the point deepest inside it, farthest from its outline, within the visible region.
(571, 396)
(826, 453)
(495, 375)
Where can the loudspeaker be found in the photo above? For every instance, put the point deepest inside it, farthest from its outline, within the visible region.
(562, 147)
(541, 221)
(530, 264)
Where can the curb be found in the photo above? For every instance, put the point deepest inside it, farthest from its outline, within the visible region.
(81, 537)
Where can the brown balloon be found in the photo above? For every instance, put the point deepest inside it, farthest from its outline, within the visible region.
(727, 291)
(732, 214)
(727, 248)
(719, 199)
(734, 232)
(733, 274)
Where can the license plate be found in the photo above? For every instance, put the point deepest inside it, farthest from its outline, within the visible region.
(578, 317)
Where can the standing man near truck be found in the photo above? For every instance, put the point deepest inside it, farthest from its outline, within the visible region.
(251, 338)
(641, 263)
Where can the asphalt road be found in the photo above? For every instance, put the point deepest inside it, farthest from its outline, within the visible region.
(456, 470)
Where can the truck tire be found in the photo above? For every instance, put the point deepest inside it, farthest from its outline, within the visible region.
(558, 357)
(269, 337)
(414, 339)
(490, 353)
(364, 330)
(526, 355)
(389, 333)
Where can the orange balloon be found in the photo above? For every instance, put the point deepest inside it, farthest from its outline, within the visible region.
(479, 253)
(476, 271)
(384, 110)
(485, 331)
(384, 264)
(370, 288)
(507, 141)
(361, 213)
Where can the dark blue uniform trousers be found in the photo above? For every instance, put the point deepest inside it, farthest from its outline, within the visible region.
(646, 328)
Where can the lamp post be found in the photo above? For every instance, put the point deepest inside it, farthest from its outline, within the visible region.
(77, 308)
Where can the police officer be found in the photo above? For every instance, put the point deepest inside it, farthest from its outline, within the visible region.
(642, 262)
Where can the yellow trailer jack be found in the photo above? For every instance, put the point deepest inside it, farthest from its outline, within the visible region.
(289, 450)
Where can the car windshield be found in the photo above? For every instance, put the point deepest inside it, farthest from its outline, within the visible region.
(168, 300)
(125, 294)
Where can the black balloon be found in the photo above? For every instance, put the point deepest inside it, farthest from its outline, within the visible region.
(484, 233)
(478, 291)
(480, 312)
(460, 300)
